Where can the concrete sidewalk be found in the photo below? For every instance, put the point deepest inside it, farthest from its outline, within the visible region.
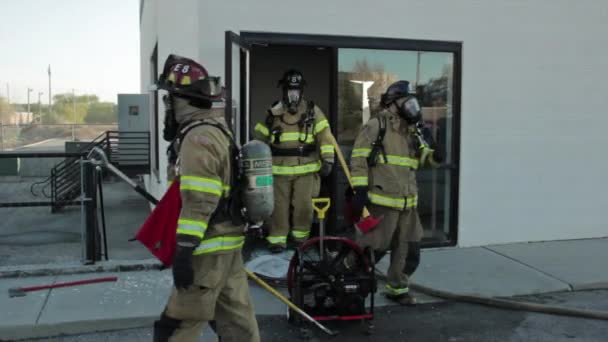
(137, 298)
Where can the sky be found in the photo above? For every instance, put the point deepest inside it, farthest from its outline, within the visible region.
(400, 63)
(91, 45)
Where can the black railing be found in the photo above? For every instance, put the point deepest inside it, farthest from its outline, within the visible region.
(38, 155)
(61, 170)
(90, 177)
(128, 151)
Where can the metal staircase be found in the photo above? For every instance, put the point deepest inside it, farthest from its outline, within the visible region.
(129, 151)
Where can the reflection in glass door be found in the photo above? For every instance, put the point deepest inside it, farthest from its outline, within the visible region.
(237, 79)
(363, 75)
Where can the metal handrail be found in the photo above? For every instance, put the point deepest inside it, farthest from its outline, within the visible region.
(61, 165)
(113, 144)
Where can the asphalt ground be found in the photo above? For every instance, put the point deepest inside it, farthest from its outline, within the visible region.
(445, 321)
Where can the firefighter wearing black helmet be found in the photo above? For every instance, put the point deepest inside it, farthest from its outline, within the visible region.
(210, 283)
(299, 136)
(387, 152)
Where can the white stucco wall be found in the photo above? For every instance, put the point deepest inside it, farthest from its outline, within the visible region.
(174, 26)
(533, 96)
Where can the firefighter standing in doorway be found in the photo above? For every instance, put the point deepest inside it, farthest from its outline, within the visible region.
(209, 279)
(299, 136)
(387, 152)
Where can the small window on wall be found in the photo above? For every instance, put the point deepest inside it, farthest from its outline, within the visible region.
(133, 110)
(363, 75)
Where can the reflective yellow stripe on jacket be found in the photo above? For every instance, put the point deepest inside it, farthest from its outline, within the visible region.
(391, 159)
(262, 129)
(191, 227)
(320, 126)
(296, 170)
(399, 161)
(360, 181)
(327, 149)
(277, 239)
(293, 136)
(393, 202)
(361, 152)
(221, 243)
(202, 184)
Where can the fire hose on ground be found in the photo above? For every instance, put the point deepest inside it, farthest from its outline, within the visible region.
(467, 298)
(507, 303)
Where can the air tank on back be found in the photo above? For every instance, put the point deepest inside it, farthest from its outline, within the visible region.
(257, 192)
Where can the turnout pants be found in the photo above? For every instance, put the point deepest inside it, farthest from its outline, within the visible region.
(221, 293)
(293, 192)
(397, 231)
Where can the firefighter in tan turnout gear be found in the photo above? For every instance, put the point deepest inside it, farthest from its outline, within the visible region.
(209, 279)
(387, 152)
(298, 134)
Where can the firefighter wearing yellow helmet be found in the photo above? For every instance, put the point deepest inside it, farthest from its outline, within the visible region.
(210, 283)
(299, 136)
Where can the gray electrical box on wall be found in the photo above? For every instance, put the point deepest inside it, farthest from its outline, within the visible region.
(133, 116)
(133, 113)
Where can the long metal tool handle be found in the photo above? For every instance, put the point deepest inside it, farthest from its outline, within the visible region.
(106, 163)
(321, 238)
(134, 185)
(289, 303)
(103, 213)
(321, 205)
(345, 169)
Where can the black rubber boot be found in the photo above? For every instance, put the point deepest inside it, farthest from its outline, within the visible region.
(164, 328)
(412, 260)
(275, 249)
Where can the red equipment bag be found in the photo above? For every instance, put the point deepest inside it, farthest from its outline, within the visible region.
(159, 231)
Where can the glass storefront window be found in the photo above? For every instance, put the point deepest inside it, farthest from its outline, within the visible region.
(363, 75)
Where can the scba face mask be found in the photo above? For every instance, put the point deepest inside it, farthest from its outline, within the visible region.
(293, 99)
(171, 125)
(293, 96)
(293, 84)
(410, 110)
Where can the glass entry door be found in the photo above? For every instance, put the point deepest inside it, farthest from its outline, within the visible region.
(237, 85)
(364, 74)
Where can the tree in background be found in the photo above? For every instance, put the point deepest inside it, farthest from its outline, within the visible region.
(80, 109)
(435, 92)
(101, 113)
(349, 101)
(68, 108)
(6, 110)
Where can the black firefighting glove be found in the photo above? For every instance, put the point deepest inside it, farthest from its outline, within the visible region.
(359, 201)
(183, 272)
(326, 168)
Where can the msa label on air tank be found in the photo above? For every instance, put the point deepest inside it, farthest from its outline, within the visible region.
(263, 181)
(259, 183)
(257, 164)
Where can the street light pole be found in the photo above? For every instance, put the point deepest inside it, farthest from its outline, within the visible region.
(29, 90)
(39, 108)
(74, 113)
(50, 92)
(73, 106)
